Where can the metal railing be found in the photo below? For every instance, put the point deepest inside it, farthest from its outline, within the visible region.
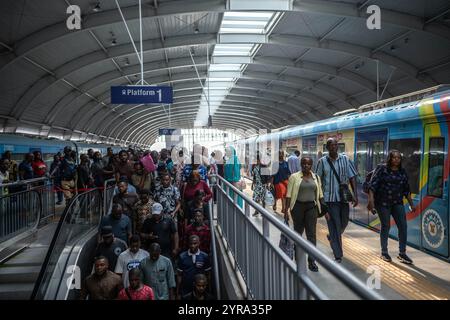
(267, 271)
(25, 205)
(108, 194)
(80, 217)
(19, 212)
(214, 260)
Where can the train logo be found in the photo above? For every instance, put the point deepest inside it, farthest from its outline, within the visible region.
(432, 228)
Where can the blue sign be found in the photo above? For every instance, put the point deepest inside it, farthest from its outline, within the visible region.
(166, 132)
(141, 94)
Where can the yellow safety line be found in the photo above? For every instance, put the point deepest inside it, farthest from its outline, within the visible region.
(411, 286)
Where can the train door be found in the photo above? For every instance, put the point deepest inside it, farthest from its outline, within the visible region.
(371, 150)
(309, 148)
(435, 193)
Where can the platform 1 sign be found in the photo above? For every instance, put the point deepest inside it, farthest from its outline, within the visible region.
(166, 132)
(141, 94)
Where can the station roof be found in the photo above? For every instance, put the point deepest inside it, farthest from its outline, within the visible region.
(259, 63)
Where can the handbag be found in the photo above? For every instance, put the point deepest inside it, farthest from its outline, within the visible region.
(268, 198)
(286, 244)
(241, 185)
(323, 208)
(344, 191)
(147, 162)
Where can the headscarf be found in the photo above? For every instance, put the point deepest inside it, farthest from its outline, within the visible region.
(232, 168)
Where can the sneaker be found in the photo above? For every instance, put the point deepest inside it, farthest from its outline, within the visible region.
(404, 258)
(313, 267)
(338, 260)
(386, 257)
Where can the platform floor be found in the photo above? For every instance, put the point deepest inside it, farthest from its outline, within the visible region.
(427, 279)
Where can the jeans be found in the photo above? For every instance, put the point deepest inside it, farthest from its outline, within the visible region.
(398, 213)
(305, 218)
(339, 216)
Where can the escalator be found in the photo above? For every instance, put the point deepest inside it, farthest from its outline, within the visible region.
(40, 266)
(19, 273)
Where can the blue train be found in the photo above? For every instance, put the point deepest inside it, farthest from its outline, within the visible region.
(21, 145)
(417, 124)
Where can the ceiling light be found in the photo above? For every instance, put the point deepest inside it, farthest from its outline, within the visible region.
(97, 7)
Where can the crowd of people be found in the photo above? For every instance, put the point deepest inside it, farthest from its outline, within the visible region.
(155, 242)
(308, 191)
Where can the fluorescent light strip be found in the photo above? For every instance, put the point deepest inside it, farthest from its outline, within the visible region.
(219, 88)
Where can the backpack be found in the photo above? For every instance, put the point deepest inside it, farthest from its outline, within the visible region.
(68, 169)
(369, 175)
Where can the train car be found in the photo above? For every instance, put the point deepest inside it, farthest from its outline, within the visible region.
(21, 145)
(420, 130)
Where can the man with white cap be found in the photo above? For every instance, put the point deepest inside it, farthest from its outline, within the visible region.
(161, 229)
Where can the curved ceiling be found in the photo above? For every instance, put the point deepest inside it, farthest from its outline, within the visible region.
(315, 58)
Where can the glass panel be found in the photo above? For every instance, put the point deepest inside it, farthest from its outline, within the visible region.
(436, 167)
(377, 153)
(410, 150)
(80, 217)
(361, 160)
(309, 149)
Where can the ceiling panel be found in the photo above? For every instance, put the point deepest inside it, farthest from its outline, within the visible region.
(85, 74)
(333, 58)
(309, 24)
(272, 50)
(178, 25)
(19, 19)
(419, 49)
(57, 53)
(355, 31)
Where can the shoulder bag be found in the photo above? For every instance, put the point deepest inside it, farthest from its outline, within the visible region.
(344, 191)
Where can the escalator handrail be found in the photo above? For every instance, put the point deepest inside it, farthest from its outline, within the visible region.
(51, 248)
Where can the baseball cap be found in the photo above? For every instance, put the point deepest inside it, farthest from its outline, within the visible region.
(106, 231)
(157, 208)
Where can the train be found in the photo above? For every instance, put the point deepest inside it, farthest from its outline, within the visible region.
(20, 145)
(416, 124)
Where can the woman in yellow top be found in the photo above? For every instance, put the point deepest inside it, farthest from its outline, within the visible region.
(303, 199)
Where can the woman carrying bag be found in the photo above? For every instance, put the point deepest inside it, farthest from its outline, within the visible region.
(387, 188)
(305, 201)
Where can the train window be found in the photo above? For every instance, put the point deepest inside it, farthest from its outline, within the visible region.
(309, 149)
(436, 167)
(410, 150)
(377, 153)
(361, 160)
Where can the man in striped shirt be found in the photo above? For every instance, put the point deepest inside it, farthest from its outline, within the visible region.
(338, 211)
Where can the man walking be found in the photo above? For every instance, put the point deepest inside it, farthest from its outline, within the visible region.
(294, 162)
(336, 171)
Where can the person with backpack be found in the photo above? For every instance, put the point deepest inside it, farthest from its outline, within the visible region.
(304, 198)
(387, 188)
(68, 171)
